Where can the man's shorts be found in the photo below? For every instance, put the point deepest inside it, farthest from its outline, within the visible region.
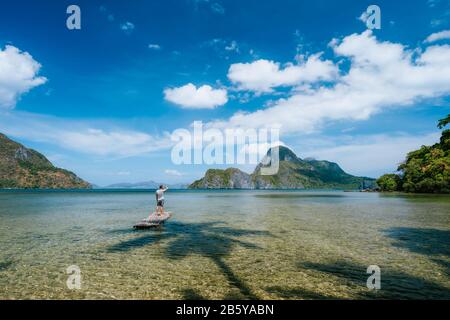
(160, 203)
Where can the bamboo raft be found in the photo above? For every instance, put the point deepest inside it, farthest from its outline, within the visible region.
(154, 220)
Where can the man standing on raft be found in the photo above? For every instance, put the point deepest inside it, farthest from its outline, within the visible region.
(160, 200)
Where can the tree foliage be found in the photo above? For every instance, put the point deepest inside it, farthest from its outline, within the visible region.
(426, 170)
(443, 122)
(389, 182)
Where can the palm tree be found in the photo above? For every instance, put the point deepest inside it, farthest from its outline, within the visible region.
(443, 122)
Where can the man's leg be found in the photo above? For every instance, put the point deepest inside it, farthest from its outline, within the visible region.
(150, 215)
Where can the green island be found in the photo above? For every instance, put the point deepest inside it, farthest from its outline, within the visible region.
(293, 173)
(24, 168)
(426, 170)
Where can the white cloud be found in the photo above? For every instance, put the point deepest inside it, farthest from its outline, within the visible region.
(107, 13)
(381, 75)
(442, 35)
(82, 136)
(264, 75)
(18, 75)
(154, 46)
(204, 97)
(171, 172)
(214, 6)
(233, 46)
(127, 27)
(371, 155)
(222, 47)
(437, 22)
(432, 3)
(217, 8)
(109, 142)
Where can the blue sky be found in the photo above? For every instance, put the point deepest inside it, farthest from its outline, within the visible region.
(102, 100)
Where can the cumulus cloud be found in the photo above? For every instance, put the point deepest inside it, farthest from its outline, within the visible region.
(101, 142)
(214, 6)
(223, 47)
(107, 13)
(127, 27)
(264, 75)
(82, 136)
(233, 46)
(436, 22)
(18, 75)
(432, 3)
(381, 75)
(371, 155)
(191, 97)
(442, 35)
(154, 46)
(217, 8)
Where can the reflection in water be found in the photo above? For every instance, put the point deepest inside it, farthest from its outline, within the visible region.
(224, 245)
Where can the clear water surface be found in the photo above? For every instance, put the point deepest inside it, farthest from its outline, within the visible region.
(225, 245)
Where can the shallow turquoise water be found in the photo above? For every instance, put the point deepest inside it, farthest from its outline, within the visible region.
(225, 244)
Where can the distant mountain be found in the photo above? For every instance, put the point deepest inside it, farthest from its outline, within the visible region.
(144, 185)
(137, 185)
(230, 178)
(293, 173)
(21, 167)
